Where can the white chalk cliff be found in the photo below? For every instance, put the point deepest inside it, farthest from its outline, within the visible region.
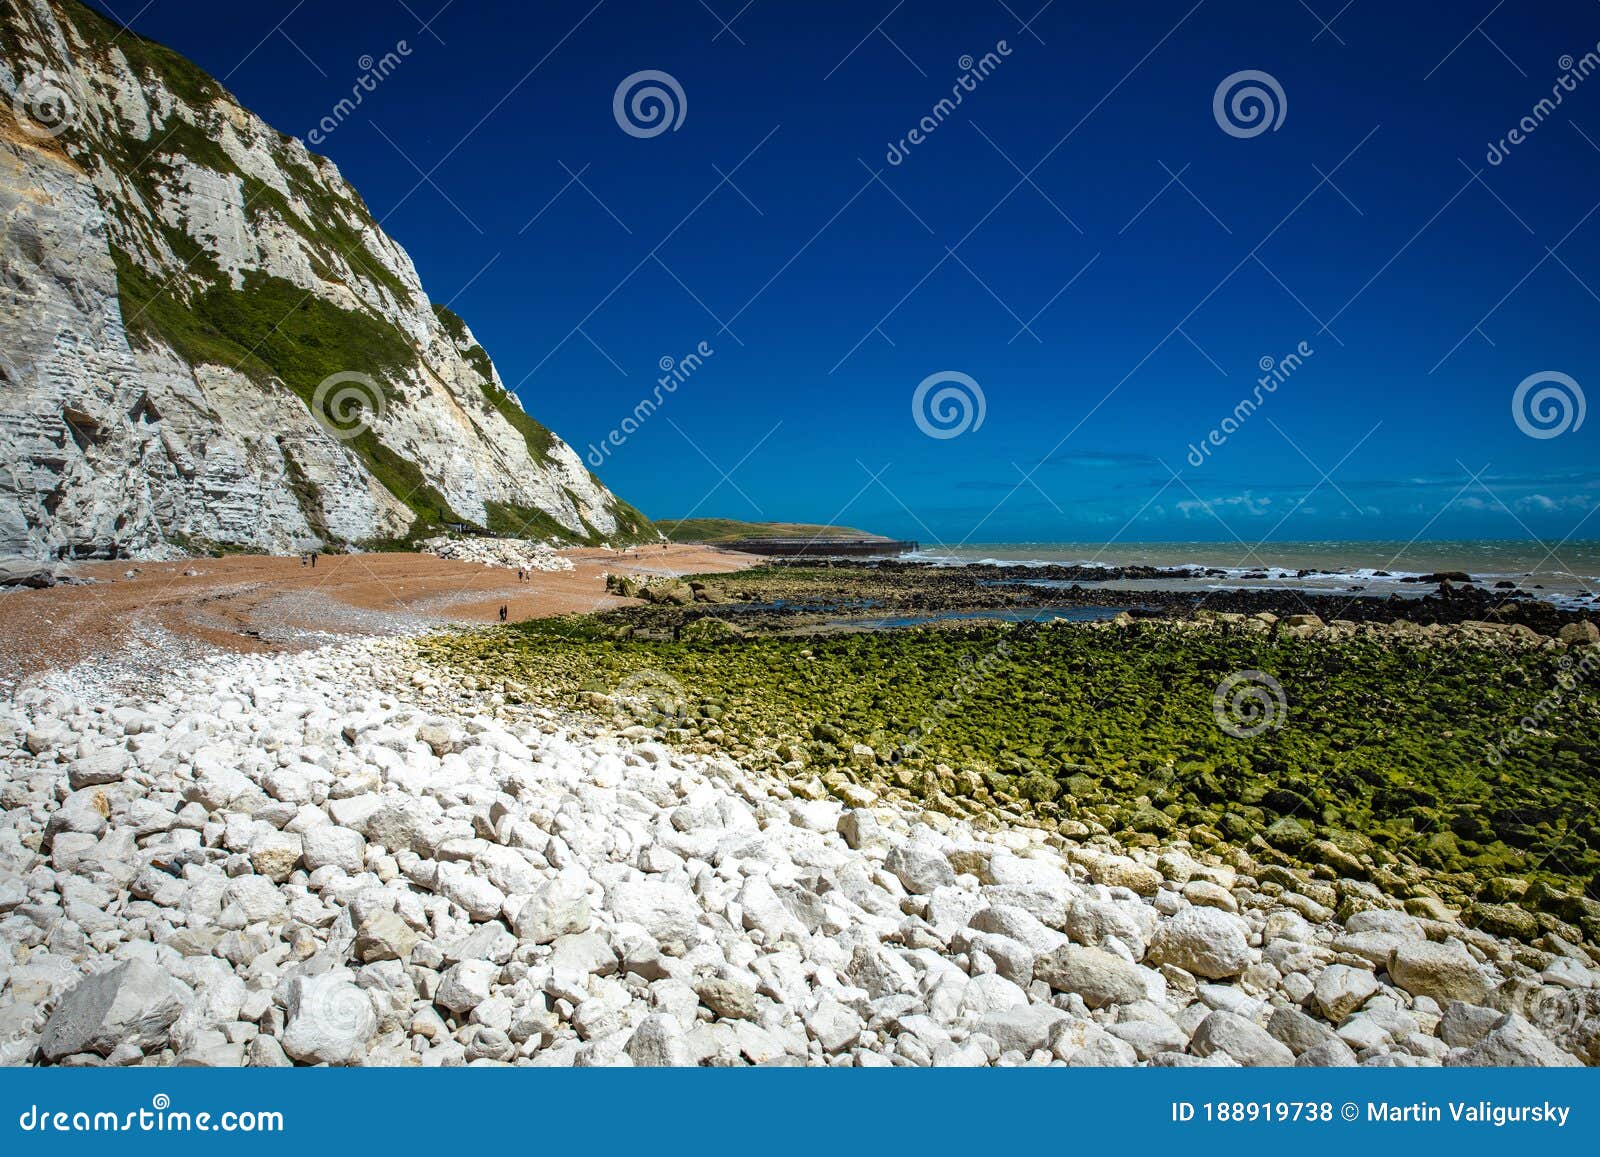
(178, 283)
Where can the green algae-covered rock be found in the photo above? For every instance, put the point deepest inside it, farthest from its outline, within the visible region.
(1380, 772)
(1504, 920)
(710, 630)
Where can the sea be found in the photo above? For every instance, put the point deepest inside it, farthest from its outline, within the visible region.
(1567, 574)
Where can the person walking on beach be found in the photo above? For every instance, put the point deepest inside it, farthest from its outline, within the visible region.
(503, 610)
(313, 560)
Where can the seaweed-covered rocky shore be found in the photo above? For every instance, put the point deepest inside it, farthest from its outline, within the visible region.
(733, 824)
(387, 853)
(1444, 745)
(803, 596)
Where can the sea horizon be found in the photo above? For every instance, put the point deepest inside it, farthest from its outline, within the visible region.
(1568, 574)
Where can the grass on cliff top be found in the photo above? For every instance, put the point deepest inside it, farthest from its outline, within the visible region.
(187, 80)
(274, 329)
(730, 529)
(1382, 749)
(327, 232)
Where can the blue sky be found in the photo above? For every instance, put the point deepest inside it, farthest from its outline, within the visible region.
(1080, 237)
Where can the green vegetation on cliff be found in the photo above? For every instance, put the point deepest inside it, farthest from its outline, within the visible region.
(171, 289)
(274, 329)
(539, 439)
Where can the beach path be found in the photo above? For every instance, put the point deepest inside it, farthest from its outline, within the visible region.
(272, 603)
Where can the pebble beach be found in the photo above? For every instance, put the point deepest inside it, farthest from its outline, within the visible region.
(349, 856)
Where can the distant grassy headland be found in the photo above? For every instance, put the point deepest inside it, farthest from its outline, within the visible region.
(731, 530)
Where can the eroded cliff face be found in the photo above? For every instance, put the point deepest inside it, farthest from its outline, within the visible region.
(206, 339)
